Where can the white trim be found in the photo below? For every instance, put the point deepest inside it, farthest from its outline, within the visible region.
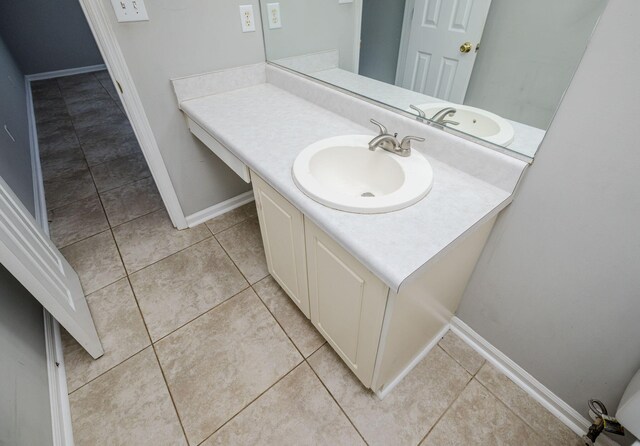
(219, 209)
(534, 388)
(66, 72)
(357, 29)
(112, 55)
(39, 204)
(419, 357)
(58, 391)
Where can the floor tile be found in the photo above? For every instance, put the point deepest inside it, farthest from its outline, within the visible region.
(63, 164)
(128, 405)
(81, 88)
(295, 324)
(69, 188)
(220, 362)
(461, 352)
(96, 261)
(185, 285)
(148, 239)
(243, 242)
(296, 411)
(120, 328)
(107, 141)
(54, 129)
(228, 219)
(120, 171)
(77, 221)
(131, 201)
(536, 416)
(479, 418)
(100, 112)
(45, 89)
(405, 416)
(56, 140)
(50, 110)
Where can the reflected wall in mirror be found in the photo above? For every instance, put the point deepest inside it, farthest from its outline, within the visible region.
(492, 69)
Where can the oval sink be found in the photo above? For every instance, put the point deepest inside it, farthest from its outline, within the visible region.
(475, 121)
(342, 173)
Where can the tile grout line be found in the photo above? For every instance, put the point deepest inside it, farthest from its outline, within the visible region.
(305, 358)
(334, 398)
(173, 401)
(506, 406)
(252, 401)
(448, 407)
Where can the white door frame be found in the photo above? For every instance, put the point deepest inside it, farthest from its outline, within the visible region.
(357, 26)
(119, 71)
(404, 40)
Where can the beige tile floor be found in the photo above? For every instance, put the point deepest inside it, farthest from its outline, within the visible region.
(201, 345)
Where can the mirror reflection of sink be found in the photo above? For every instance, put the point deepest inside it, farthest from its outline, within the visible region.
(342, 173)
(474, 121)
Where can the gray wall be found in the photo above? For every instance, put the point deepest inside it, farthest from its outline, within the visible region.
(557, 287)
(25, 414)
(184, 38)
(529, 52)
(15, 157)
(309, 26)
(45, 35)
(380, 38)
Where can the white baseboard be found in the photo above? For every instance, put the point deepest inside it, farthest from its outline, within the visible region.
(67, 72)
(550, 401)
(58, 392)
(419, 357)
(219, 209)
(36, 169)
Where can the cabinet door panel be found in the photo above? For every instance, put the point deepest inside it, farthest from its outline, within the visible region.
(282, 228)
(347, 302)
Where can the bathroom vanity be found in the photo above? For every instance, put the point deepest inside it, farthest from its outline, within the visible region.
(380, 287)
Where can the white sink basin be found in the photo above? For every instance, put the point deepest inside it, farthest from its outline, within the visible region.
(475, 122)
(342, 173)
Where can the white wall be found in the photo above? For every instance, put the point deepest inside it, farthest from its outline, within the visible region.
(310, 26)
(557, 288)
(25, 417)
(184, 38)
(45, 35)
(529, 51)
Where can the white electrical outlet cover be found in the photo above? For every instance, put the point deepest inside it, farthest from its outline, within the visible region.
(247, 18)
(345, 1)
(130, 10)
(273, 15)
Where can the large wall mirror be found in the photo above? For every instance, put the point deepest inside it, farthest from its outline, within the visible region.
(492, 69)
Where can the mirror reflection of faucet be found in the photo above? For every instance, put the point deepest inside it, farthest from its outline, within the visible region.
(440, 117)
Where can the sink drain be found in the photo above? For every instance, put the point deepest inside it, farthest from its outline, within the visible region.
(367, 194)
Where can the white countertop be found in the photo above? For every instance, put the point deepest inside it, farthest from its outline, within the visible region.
(266, 127)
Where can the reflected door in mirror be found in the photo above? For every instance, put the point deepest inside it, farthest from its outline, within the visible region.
(441, 50)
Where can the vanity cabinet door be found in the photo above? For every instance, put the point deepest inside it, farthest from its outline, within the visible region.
(282, 228)
(347, 302)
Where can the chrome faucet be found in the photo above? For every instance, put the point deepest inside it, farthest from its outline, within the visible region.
(441, 116)
(389, 142)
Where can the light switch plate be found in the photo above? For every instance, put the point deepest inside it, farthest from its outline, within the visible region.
(247, 19)
(130, 10)
(345, 1)
(273, 15)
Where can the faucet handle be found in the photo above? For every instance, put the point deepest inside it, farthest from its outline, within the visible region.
(383, 129)
(406, 141)
(419, 111)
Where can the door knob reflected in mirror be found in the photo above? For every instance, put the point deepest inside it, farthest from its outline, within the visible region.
(466, 47)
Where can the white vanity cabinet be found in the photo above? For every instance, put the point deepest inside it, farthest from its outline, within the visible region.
(282, 228)
(379, 333)
(347, 302)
